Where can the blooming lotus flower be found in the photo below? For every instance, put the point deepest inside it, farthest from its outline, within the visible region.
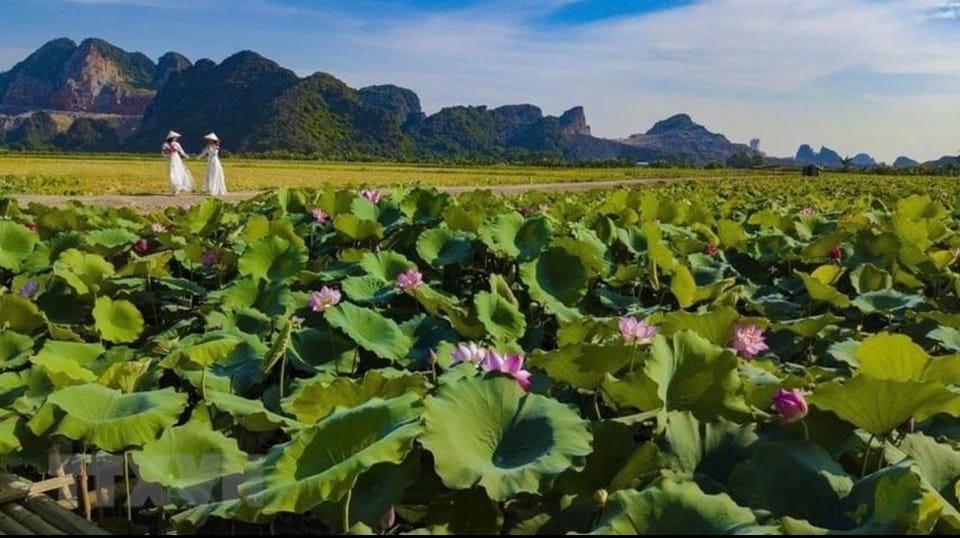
(509, 364)
(636, 332)
(209, 258)
(324, 299)
(29, 289)
(141, 246)
(373, 196)
(409, 280)
(319, 215)
(158, 228)
(836, 253)
(469, 353)
(710, 249)
(748, 340)
(790, 405)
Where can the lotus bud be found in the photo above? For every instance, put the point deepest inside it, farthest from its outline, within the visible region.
(141, 246)
(600, 497)
(836, 253)
(389, 519)
(710, 249)
(790, 405)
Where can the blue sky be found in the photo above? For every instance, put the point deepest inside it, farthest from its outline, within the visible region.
(878, 76)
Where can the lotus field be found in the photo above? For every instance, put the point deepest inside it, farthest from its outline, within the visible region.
(738, 357)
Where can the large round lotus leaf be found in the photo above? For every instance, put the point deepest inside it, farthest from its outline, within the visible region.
(811, 326)
(117, 321)
(583, 366)
(797, 467)
(425, 205)
(322, 462)
(492, 433)
(190, 459)
(203, 218)
(251, 415)
(16, 243)
(370, 330)
(892, 356)
(368, 289)
(555, 276)
(15, 349)
(443, 246)
(357, 229)
(820, 291)
(19, 314)
(202, 353)
(675, 508)
(892, 501)
(272, 258)
(10, 432)
(881, 405)
(708, 449)
(113, 421)
(81, 270)
(315, 400)
(462, 513)
(125, 376)
(887, 300)
(512, 236)
(695, 375)
(375, 492)
(46, 253)
(443, 305)
(68, 363)
(110, 238)
(315, 350)
(499, 316)
(385, 265)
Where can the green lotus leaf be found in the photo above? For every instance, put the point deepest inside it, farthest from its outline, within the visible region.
(583, 366)
(113, 421)
(820, 291)
(555, 277)
(117, 321)
(887, 300)
(15, 349)
(462, 513)
(368, 289)
(731, 235)
(797, 466)
(151, 266)
(375, 492)
(83, 271)
(675, 508)
(251, 415)
(19, 314)
(868, 277)
(385, 265)
(683, 286)
(716, 326)
(939, 463)
(192, 460)
(313, 350)
(425, 205)
(315, 400)
(357, 229)
(616, 463)
(203, 218)
(499, 316)
(591, 251)
(446, 306)
(514, 237)
(492, 433)
(892, 501)
(460, 219)
(10, 433)
(695, 375)
(202, 353)
(892, 356)
(442, 246)
(272, 258)
(322, 462)
(880, 405)
(811, 326)
(948, 337)
(370, 330)
(16, 243)
(111, 238)
(711, 449)
(125, 376)
(68, 363)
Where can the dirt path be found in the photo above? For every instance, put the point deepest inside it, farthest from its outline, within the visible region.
(160, 201)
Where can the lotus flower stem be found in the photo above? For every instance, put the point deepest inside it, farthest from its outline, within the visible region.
(806, 430)
(126, 487)
(346, 509)
(866, 456)
(633, 352)
(596, 405)
(333, 348)
(283, 372)
(203, 384)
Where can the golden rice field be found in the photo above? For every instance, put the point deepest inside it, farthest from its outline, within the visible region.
(76, 175)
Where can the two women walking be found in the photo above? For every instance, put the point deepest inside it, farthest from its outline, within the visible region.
(180, 178)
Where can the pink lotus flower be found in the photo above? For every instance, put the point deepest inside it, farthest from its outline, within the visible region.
(710, 249)
(807, 211)
(748, 340)
(373, 196)
(324, 299)
(509, 364)
(469, 353)
(141, 246)
(209, 258)
(29, 289)
(388, 519)
(158, 228)
(790, 405)
(319, 215)
(636, 332)
(836, 253)
(409, 280)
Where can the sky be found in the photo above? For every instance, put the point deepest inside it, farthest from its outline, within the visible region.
(874, 76)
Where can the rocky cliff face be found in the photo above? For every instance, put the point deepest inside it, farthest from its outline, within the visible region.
(825, 157)
(680, 138)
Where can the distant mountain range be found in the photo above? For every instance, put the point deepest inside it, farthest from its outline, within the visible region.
(94, 96)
